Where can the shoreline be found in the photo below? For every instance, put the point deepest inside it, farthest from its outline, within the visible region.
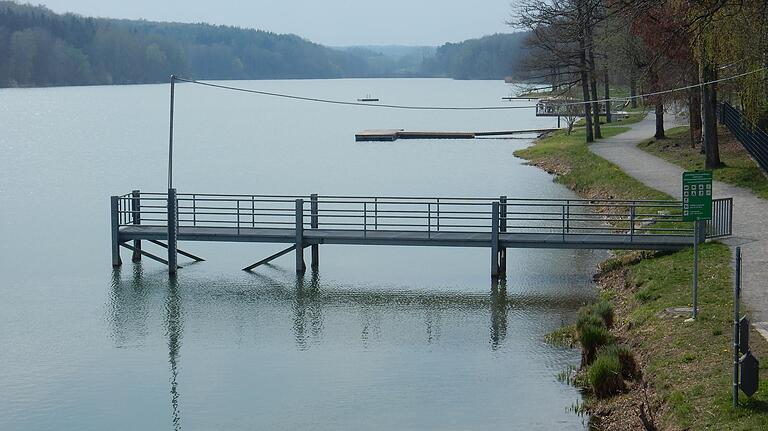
(645, 288)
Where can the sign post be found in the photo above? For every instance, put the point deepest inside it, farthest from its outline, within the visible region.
(697, 207)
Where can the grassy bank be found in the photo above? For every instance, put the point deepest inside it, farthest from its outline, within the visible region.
(686, 366)
(739, 170)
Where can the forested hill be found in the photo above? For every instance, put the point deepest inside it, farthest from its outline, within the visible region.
(41, 48)
(489, 57)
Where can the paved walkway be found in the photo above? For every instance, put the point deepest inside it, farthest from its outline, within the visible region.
(750, 219)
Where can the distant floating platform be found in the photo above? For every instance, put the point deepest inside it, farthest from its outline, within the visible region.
(395, 134)
(368, 100)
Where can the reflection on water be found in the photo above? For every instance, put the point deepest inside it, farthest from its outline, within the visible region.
(308, 299)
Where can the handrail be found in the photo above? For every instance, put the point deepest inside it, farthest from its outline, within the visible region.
(432, 215)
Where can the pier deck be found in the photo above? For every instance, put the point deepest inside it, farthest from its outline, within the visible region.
(310, 221)
(395, 134)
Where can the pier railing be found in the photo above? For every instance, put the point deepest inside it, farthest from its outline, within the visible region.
(432, 215)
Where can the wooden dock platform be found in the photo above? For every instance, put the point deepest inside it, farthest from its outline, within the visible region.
(391, 135)
(301, 222)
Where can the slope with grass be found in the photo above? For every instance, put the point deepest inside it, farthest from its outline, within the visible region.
(739, 170)
(686, 367)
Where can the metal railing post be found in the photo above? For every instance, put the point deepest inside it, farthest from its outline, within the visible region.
(194, 210)
(114, 204)
(503, 229)
(375, 213)
(173, 230)
(438, 214)
(136, 216)
(429, 220)
(314, 223)
(632, 214)
(300, 266)
(365, 218)
(495, 240)
(563, 216)
(238, 216)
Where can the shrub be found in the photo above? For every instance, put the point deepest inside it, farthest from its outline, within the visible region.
(587, 319)
(591, 338)
(629, 368)
(604, 375)
(604, 309)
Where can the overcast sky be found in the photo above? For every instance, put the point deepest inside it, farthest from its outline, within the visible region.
(330, 22)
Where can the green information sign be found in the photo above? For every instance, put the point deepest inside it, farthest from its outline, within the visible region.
(697, 195)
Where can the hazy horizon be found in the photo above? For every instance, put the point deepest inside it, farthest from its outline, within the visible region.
(332, 22)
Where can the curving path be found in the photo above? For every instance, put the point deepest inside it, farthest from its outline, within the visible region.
(750, 224)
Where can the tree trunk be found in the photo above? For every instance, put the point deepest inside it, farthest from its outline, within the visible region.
(658, 102)
(694, 116)
(660, 121)
(708, 72)
(593, 82)
(607, 96)
(585, 89)
(633, 90)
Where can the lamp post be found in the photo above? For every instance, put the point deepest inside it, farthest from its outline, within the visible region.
(173, 221)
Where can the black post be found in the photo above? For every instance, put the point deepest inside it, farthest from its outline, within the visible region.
(173, 228)
(300, 266)
(115, 213)
(136, 212)
(495, 240)
(502, 229)
(736, 300)
(314, 223)
(170, 134)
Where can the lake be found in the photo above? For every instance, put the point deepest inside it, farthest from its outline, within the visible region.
(380, 338)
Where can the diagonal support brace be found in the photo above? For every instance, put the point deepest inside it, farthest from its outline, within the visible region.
(181, 252)
(270, 258)
(147, 254)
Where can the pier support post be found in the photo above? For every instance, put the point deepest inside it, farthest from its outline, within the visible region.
(495, 240)
(115, 213)
(136, 216)
(314, 224)
(300, 266)
(173, 230)
(503, 229)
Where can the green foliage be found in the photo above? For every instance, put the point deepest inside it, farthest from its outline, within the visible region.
(604, 310)
(562, 337)
(605, 375)
(592, 338)
(629, 367)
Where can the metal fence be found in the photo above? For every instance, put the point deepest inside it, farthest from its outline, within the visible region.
(420, 214)
(753, 138)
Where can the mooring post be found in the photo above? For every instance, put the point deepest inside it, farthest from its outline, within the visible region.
(736, 347)
(314, 223)
(136, 213)
(115, 213)
(300, 266)
(503, 228)
(173, 230)
(495, 240)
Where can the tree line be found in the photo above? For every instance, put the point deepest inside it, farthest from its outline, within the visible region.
(41, 48)
(581, 47)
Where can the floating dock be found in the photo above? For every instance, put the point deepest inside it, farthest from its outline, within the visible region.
(395, 134)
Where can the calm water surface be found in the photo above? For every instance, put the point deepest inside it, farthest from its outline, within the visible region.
(381, 338)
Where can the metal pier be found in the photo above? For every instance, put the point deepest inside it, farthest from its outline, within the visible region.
(312, 220)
